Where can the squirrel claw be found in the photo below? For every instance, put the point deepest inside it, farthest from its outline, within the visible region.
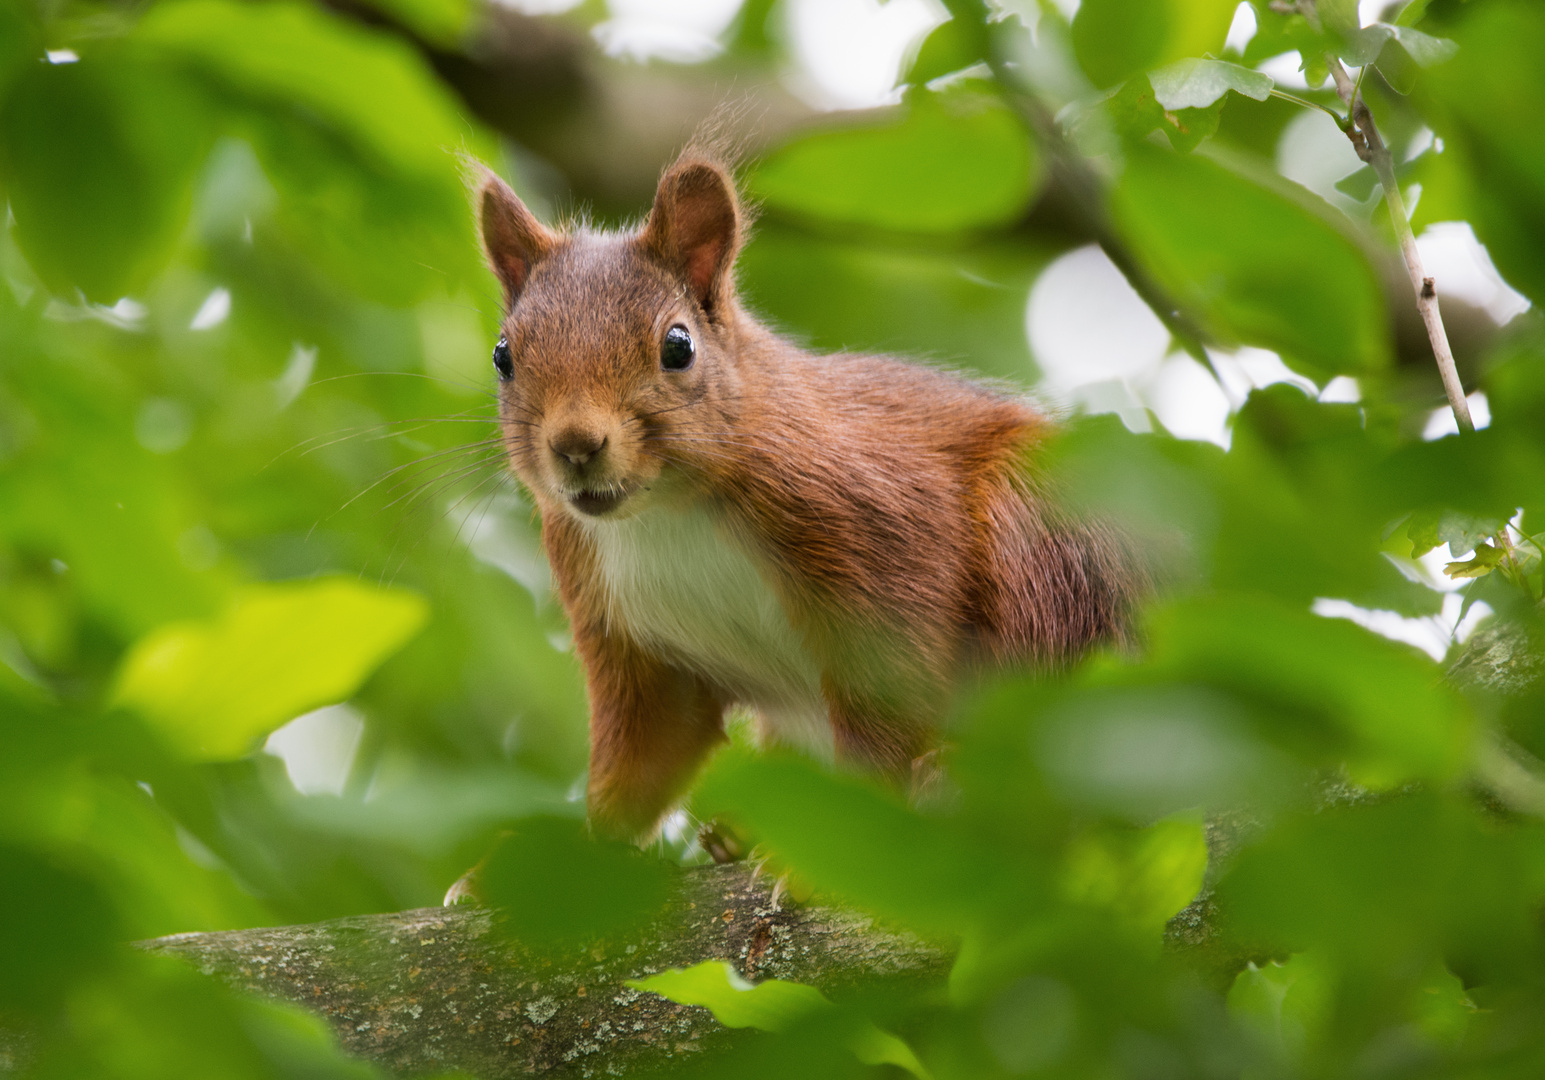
(466, 890)
(721, 843)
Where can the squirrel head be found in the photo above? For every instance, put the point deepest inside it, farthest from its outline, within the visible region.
(618, 357)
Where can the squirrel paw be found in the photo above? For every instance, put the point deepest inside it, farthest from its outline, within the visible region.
(723, 843)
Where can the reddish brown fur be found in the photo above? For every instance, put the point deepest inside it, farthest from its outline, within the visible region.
(894, 509)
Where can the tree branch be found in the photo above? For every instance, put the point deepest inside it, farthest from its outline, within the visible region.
(439, 988)
(1370, 147)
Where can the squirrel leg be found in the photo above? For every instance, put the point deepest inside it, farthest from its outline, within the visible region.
(651, 726)
(867, 733)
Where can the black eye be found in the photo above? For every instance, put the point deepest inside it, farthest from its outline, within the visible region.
(677, 350)
(502, 362)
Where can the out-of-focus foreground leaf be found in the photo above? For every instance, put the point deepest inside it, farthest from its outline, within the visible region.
(98, 159)
(212, 688)
(1117, 38)
(1202, 228)
(952, 161)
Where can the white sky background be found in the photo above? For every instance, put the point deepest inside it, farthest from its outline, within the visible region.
(1099, 347)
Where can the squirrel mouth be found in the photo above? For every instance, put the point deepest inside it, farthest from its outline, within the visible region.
(599, 503)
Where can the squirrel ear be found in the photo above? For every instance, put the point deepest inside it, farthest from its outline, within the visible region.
(512, 236)
(695, 228)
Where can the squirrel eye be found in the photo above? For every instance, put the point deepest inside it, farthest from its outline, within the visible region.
(677, 350)
(502, 362)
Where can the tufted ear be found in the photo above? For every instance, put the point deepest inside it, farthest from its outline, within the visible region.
(513, 238)
(695, 228)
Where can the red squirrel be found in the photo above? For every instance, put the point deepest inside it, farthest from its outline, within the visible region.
(831, 541)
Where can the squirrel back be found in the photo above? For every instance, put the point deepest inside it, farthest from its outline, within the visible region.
(832, 541)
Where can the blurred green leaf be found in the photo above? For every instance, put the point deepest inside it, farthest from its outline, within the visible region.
(845, 836)
(1195, 84)
(1289, 1003)
(1326, 687)
(1391, 883)
(439, 21)
(1145, 875)
(352, 128)
(213, 688)
(948, 48)
(1359, 185)
(20, 43)
(771, 1005)
(1201, 230)
(162, 1018)
(1486, 559)
(369, 88)
(1117, 38)
(98, 160)
(554, 886)
(1480, 102)
(952, 161)
(960, 308)
(1134, 111)
(1339, 16)
(1424, 50)
(1278, 32)
(57, 928)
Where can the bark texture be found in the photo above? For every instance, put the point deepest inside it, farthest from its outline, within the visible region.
(440, 988)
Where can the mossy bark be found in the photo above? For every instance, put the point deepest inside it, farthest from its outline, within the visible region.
(440, 988)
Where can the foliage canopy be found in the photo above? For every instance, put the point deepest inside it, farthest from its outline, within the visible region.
(248, 469)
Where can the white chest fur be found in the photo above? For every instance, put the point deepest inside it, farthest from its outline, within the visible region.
(678, 583)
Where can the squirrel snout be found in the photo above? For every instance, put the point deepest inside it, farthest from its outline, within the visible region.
(576, 445)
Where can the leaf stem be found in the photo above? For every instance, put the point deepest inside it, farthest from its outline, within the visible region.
(1342, 122)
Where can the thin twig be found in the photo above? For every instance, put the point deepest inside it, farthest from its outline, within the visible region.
(1341, 121)
(1370, 147)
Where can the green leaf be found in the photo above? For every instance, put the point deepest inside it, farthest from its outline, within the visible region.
(951, 162)
(770, 1005)
(439, 21)
(949, 47)
(356, 134)
(1339, 16)
(1201, 228)
(555, 887)
(213, 688)
(965, 307)
(1484, 561)
(1287, 1003)
(58, 928)
(845, 836)
(1144, 875)
(20, 43)
(1195, 84)
(1392, 883)
(1359, 185)
(1114, 39)
(98, 158)
(1463, 532)
(1480, 103)
(1279, 32)
(1424, 50)
(1133, 112)
(370, 88)
(1325, 688)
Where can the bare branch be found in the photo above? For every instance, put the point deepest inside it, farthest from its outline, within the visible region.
(440, 988)
(1370, 147)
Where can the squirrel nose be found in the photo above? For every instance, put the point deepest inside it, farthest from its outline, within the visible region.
(576, 445)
